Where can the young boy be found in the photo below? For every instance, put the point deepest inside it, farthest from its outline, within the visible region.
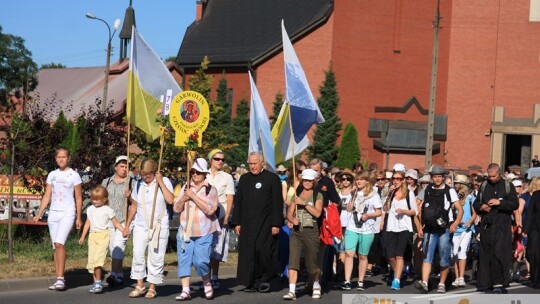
(99, 217)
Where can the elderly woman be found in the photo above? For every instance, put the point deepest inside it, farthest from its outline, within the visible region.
(150, 228)
(197, 206)
(303, 213)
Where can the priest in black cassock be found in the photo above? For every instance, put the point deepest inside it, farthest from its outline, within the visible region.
(495, 203)
(257, 218)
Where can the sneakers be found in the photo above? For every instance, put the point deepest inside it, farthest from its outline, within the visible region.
(395, 285)
(459, 282)
(60, 284)
(114, 281)
(441, 288)
(421, 286)
(346, 286)
(215, 284)
(291, 296)
(96, 288)
(360, 286)
(369, 273)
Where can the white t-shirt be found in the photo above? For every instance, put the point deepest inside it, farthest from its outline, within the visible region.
(345, 215)
(63, 192)
(401, 222)
(371, 204)
(145, 194)
(100, 218)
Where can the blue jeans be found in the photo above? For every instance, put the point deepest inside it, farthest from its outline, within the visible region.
(440, 241)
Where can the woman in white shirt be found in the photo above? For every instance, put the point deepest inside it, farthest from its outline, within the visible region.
(154, 240)
(364, 207)
(398, 228)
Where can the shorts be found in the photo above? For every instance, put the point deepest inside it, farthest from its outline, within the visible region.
(306, 241)
(437, 241)
(117, 243)
(395, 243)
(220, 245)
(196, 252)
(340, 247)
(97, 249)
(60, 224)
(358, 242)
(461, 244)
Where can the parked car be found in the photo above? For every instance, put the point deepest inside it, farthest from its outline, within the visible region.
(16, 212)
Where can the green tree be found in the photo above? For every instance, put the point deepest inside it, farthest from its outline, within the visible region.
(349, 150)
(202, 82)
(53, 65)
(326, 135)
(276, 107)
(17, 69)
(240, 128)
(219, 126)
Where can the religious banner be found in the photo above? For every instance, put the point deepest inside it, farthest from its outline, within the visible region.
(189, 114)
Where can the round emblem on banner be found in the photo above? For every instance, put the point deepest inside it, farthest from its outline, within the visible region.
(258, 185)
(427, 205)
(189, 113)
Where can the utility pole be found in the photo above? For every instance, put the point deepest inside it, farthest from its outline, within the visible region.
(433, 90)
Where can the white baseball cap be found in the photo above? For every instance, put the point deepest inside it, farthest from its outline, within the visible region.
(399, 167)
(517, 183)
(120, 158)
(309, 174)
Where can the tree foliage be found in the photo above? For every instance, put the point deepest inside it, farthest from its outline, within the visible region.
(220, 124)
(17, 69)
(240, 129)
(326, 135)
(349, 150)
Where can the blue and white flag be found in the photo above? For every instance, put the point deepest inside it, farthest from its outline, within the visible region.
(304, 109)
(260, 138)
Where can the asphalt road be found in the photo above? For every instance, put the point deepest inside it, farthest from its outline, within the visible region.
(35, 291)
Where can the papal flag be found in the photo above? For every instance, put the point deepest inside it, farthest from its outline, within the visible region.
(299, 111)
(260, 138)
(149, 78)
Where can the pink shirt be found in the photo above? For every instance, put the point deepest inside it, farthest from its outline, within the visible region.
(204, 221)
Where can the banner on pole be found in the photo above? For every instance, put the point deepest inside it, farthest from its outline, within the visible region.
(189, 114)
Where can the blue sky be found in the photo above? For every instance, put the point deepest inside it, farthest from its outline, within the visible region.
(58, 31)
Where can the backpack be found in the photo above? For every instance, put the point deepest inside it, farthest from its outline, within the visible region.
(434, 216)
(331, 225)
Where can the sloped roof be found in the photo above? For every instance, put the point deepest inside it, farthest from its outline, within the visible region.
(78, 88)
(238, 32)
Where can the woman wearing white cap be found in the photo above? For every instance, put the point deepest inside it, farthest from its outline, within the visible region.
(197, 207)
(303, 213)
(154, 240)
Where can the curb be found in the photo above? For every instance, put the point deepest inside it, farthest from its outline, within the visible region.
(84, 279)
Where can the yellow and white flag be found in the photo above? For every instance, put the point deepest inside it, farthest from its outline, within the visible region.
(149, 78)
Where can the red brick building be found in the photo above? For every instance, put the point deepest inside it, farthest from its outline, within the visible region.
(487, 85)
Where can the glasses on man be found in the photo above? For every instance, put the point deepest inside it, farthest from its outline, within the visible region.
(397, 178)
(381, 179)
(222, 159)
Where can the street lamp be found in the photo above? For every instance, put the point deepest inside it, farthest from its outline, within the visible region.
(107, 67)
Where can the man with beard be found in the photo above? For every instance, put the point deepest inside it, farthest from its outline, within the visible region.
(257, 219)
(496, 201)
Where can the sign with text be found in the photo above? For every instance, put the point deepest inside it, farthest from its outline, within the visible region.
(189, 114)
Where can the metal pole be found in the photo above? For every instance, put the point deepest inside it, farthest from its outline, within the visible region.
(433, 91)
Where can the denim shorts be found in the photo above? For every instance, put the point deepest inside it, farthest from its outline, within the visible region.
(437, 241)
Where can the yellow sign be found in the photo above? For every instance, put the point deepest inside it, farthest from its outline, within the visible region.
(189, 113)
(19, 190)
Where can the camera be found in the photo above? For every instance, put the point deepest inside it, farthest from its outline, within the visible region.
(441, 222)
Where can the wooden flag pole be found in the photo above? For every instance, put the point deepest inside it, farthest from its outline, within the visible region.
(293, 160)
(127, 179)
(162, 144)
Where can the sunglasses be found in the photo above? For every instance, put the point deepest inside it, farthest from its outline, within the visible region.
(219, 159)
(397, 178)
(380, 179)
(280, 172)
(308, 180)
(195, 172)
(346, 179)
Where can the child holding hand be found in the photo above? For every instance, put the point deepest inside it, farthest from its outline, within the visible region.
(99, 218)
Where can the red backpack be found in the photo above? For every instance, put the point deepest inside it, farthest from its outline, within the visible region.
(331, 225)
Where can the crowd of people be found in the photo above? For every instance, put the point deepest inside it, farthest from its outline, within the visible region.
(326, 223)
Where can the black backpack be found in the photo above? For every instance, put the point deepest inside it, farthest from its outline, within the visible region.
(434, 216)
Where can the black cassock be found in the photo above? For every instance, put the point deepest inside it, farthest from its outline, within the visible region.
(532, 228)
(258, 207)
(495, 257)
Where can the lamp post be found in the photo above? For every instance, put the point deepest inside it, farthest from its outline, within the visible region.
(107, 66)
